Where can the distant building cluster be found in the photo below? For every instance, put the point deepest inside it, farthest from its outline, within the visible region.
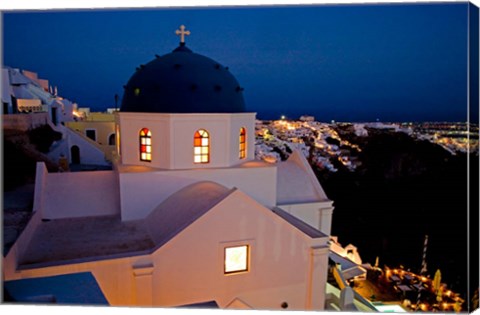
(319, 142)
(24, 92)
(323, 146)
(29, 102)
(453, 137)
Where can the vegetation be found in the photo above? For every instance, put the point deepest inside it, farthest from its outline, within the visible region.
(43, 137)
(21, 152)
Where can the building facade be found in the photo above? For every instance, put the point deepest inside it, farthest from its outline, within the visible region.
(187, 215)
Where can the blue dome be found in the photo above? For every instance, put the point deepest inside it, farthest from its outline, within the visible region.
(183, 82)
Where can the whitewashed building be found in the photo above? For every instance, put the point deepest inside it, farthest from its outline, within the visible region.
(24, 92)
(187, 215)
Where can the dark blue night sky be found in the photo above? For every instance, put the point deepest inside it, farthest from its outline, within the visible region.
(403, 62)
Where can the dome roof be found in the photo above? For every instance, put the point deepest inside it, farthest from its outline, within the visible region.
(183, 82)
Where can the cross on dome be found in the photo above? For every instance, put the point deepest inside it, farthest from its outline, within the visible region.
(182, 32)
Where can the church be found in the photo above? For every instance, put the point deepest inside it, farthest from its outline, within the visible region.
(187, 216)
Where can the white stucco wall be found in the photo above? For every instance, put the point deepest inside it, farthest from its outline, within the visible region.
(285, 264)
(248, 122)
(316, 214)
(130, 125)
(279, 261)
(67, 111)
(41, 174)
(90, 153)
(87, 194)
(173, 134)
(141, 192)
(183, 131)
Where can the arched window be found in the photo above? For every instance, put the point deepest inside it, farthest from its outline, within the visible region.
(201, 147)
(111, 139)
(243, 143)
(145, 145)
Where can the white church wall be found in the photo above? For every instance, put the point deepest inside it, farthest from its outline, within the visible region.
(130, 125)
(316, 214)
(277, 250)
(196, 256)
(88, 194)
(183, 130)
(141, 192)
(114, 276)
(173, 135)
(238, 121)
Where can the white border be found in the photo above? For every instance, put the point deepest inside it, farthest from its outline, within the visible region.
(101, 4)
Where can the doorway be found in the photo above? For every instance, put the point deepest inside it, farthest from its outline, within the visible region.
(75, 154)
(54, 115)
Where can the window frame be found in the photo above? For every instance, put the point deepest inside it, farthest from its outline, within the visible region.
(94, 133)
(200, 149)
(145, 134)
(242, 145)
(247, 259)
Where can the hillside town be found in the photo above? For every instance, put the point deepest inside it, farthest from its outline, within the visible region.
(324, 145)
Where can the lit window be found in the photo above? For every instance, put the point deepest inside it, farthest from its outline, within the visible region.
(201, 147)
(243, 142)
(117, 139)
(236, 259)
(145, 145)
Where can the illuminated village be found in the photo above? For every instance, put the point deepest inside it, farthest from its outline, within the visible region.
(279, 137)
(194, 206)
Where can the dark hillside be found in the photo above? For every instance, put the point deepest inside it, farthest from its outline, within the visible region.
(403, 190)
(21, 152)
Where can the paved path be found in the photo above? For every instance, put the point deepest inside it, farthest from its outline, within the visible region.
(22, 197)
(17, 210)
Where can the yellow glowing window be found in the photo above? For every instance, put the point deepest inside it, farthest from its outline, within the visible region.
(201, 147)
(236, 259)
(243, 143)
(145, 145)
